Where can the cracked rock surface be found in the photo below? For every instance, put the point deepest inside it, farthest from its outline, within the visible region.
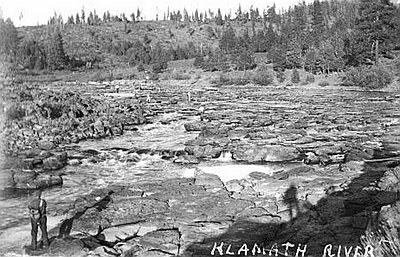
(310, 166)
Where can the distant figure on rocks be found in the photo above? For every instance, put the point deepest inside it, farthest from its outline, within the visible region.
(37, 213)
(188, 96)
(148, 98)
(201, 112)
(117, 88)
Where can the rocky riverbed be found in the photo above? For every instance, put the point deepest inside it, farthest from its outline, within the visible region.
(261, 166)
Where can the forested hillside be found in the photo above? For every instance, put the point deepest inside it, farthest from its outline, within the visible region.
(321, 36)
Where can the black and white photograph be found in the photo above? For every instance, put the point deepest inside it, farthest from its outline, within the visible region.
(200, 128)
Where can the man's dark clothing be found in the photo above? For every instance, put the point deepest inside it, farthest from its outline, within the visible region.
(37, 213)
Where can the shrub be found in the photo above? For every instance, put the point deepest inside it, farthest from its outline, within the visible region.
(153, 76)
(176, 75)
(310, 79)
(295, 76)
(371, 77)
(396, 69)
(243, 60)
(198, 62)
(225, 79)
(140, 67)
(197, 77)
(222, 79)
(98, 76)
(323, 83)
(262, 78)
(210, 32)
(158, 67)
(15, 112)
(280, 75)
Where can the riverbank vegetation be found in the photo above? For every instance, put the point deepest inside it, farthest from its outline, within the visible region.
(319, 37)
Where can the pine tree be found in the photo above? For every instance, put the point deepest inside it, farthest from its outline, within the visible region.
(123, 18)
(83, 15)
(186, 18)
(55, 55)
(259, 42)
(90, 19)
(196, 16)
(31, 53)
(239, 14)
(253, 19)
(228, 40)
(96, 18)
(375, 27)
(271, 15)
(330, 55)
(8, 40)
(108, 16)
(311, 59)
(178, 17)
(138, 14)
(294, 57)
(218, 20)
(70, 20)
(317, 22)
(104, 17)
(295, 76)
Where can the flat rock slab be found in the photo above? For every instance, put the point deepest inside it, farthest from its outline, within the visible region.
(257, 154)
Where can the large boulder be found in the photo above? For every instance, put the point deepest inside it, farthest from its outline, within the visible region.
(46, 145)
(270, 153)
(210, 182)
(122, 232)
(47, 180)
(56, 161)
(98, 126)
(194, 126)
(25, 179)
(167, 241)
(207, 151)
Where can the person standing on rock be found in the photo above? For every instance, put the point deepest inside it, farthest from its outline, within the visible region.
(37, 213)
(201, 113)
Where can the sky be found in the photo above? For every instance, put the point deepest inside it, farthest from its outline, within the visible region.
(33, 12)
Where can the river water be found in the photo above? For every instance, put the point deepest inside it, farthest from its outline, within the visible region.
(332, 104)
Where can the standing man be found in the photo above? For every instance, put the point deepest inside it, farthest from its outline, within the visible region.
(201, 112)
(37, 213)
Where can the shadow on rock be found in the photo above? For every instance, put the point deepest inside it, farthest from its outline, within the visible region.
(332, 227)
(66, 225)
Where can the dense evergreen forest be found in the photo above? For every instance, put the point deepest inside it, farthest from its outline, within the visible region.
(322, 36)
